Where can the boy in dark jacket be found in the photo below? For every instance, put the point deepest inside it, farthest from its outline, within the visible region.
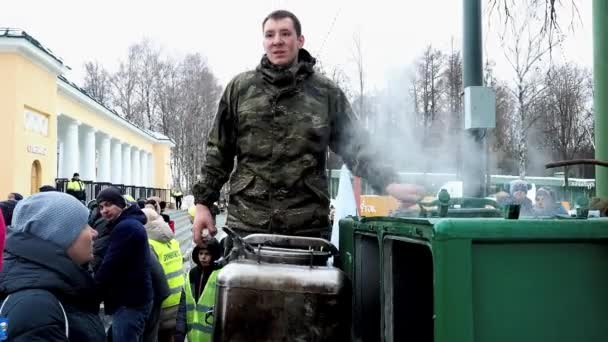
(204, 258)
(124, 274)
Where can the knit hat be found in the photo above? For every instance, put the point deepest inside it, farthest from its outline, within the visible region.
(113, 196)
(52, 216)
(8, 208)
(544, 192)
(518, 185)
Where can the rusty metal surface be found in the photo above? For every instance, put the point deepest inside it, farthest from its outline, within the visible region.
(277, 302)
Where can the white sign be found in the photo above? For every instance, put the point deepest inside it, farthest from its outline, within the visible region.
(36, 122)
(35, 149)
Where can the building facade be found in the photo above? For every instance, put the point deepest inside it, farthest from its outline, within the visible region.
(51, 128)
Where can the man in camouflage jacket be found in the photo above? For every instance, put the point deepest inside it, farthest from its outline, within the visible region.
(278, 121)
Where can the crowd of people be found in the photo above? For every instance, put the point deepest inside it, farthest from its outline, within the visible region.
(64, 262)
(545, 204)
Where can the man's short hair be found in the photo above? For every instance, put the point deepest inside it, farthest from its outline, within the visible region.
(47, 188)
(282, 14)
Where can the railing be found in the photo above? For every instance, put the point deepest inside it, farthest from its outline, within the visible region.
(92, 189)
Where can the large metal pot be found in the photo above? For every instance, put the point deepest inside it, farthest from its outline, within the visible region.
(281, 289)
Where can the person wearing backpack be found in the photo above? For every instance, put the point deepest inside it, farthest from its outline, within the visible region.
(45, 293)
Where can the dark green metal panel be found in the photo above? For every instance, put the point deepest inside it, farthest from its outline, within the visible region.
(540, 291)
(453, 291)
(496, 279)
(501, 229)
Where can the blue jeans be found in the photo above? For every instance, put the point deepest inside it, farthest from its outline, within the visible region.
(128, 323)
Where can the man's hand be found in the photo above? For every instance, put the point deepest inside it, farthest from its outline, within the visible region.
(406, 193)
(202, 220)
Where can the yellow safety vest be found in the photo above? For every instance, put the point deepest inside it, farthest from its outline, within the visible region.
(170, 257)
(75, 185)
(198, 329)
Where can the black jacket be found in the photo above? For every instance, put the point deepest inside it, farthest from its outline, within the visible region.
(38, 276)
(124, 274)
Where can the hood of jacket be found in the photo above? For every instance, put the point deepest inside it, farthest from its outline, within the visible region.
(156, 227)
(131, 212)
(33, 263)
(213, 246)
(287, 75)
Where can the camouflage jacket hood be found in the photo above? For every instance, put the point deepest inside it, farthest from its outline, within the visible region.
(279, 123)
(286, 76)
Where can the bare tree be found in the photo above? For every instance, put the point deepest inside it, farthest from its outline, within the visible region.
(201, 92)
(453, 75)
(357, 55)
(524, 51)
(97, 82)
(149, 68)
(567, 111)
(124, 83)
(176, 97)
(428, 88)
(501, 139)
(546, 11)
(453, 81)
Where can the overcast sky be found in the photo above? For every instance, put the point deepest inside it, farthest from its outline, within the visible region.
(228, 33)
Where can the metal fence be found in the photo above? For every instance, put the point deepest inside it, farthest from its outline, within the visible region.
(92, 189)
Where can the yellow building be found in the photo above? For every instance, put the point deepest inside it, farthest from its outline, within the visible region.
(50, 128)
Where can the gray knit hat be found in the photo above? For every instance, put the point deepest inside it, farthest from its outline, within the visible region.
(53, 216)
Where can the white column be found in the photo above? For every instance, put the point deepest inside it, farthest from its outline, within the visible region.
(88, 155)
(104, 165)
(61, 152)
(136, 171)
(116, 161)
(126, 164)
(151, 175)
(144, 168)
(72, 153)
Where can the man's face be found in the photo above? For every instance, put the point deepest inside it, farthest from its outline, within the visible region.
(281, 42)
(11, 196)
(77, 177)
(109, 211)
(204, 257)
(81, 250)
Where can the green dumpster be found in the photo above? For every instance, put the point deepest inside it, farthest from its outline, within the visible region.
(477, 279)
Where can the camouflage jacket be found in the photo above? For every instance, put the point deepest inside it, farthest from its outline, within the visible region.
(279, 123)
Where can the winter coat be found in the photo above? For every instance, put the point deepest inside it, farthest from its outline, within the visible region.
(553, 209)
(39, 276)
(198, 279)
(279, 123)
(124, 275)
(161, 291)
(158, 230)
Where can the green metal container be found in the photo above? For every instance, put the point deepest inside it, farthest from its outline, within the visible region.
(482, 280)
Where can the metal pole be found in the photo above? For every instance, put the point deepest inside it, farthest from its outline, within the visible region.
(600, 81)
(474, 173)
